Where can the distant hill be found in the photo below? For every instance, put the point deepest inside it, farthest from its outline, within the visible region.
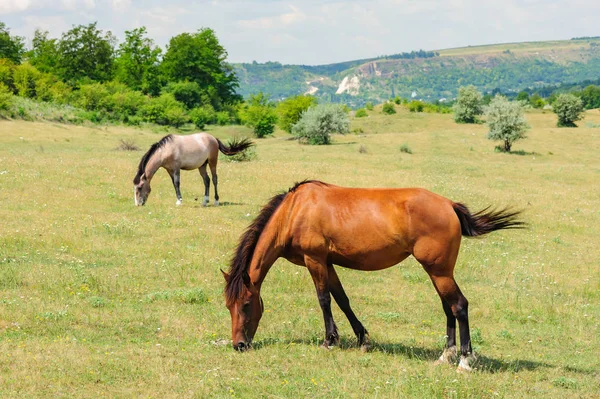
(430, 75)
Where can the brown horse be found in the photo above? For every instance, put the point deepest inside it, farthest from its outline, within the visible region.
(317, 225)
(175, 153)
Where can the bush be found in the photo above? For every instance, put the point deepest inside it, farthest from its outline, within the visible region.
(405, 148)
(360, 113)
(290, 110)
(25, 78)
(369, 106)
(318, 122)
(163, 110)
(536, 101)
(397, 100)
(259, 114)
(125, 104)
(468, 105)
(388, 108)
(91, 97)
(6, 97)
(506, 121)
(569, 109)
(223, 118)
(203, 116)
(416, 106)
(6, 73)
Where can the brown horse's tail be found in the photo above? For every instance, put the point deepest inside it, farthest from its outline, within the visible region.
(235, 146)
(485, 221)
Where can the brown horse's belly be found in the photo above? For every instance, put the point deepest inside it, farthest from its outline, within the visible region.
(368, 261)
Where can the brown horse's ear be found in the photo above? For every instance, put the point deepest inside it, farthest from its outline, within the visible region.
(246, 279)
(225, 275)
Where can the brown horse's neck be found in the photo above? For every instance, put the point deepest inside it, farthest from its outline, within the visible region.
(266, 253)
(154, 163)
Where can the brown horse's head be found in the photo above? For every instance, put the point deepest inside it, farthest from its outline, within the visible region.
(141, 190)
(246, 309)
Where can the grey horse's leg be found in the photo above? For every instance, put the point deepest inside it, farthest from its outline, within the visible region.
(176, 180)
(206, 180)
(213, 171)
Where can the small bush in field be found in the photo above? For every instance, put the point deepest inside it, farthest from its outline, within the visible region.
(468, 105)
(369, 106)
(360, 113)
(569, 109)
(388, 108)
(319, 122)
(127, 145)
(416, 106)
(506, 121)
(223, 118)
(203, 116)
(405, 148)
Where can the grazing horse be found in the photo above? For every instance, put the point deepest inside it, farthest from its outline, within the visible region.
(317, 225)
(176, 153)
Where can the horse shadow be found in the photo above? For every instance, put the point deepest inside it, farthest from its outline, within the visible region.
(484, 364)
(198, 204)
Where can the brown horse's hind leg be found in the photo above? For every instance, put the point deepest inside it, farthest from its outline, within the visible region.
(335, 286)
(320, 275)
(438, 260)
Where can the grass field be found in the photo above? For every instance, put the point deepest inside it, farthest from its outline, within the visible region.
(99, 298)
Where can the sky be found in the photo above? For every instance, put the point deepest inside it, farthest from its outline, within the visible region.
(316, 32)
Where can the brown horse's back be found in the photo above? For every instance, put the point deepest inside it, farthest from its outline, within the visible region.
(365, 229)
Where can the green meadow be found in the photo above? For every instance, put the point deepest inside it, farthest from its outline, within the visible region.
(99, 298)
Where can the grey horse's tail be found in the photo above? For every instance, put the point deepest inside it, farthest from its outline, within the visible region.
(235, 145)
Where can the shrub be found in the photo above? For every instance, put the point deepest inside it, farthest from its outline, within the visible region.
(290, 110)
(318, 122)
(468, 105)
(536, 101)
(569, 109)
(360, 113)
(416, 106)
(223, 118)
(163, 110)
(203, 116)
(259, 114)
(249, 154)
(25, 77)
(405, 148)
(125, 104)
(388, 108)
(91, 97)
(6, 97)
(397, 100)
(506, 121)
(369, 106)
(6, 72)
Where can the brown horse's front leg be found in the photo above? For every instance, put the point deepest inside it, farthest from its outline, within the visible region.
(319, 274)
(337, 290)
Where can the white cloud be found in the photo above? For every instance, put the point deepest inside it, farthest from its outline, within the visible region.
(121, 5)
(12, 6)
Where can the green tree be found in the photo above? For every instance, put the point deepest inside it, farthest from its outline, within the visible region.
(25, 78)
(319, 122)
(591, 97)
(569, 109)
(506, 121)
(198, 57)
(188, 93)
(44, 52)
(6, 97)
(11, 47)
(86, 52)
(468, 105)
(290, 110)
(137, 62)
(260, 115)
(523, 96)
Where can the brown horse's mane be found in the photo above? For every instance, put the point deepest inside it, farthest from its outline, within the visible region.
(148, 155)
(245, 249)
